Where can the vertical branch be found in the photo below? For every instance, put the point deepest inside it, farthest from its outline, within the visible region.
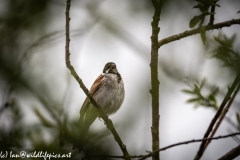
(67, 52)
(107, 121)
(215, 118)
(154, 78)
(212, 12)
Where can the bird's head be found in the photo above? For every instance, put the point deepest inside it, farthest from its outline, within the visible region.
(110, 67)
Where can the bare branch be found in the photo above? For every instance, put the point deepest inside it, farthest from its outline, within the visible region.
(224, 112)
(154, 77)
(107, 121)
(141, 157)
(236, 139)
(218, 113)
(187, 142)
(197, 31)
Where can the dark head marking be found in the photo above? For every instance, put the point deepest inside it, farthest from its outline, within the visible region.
(111, 67)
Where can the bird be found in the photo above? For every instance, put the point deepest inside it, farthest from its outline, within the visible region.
(108, 92)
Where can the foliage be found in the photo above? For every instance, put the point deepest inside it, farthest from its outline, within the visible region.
(224, 51)
(63, 133)
(203, 6)
(54, 132)
(199, 98)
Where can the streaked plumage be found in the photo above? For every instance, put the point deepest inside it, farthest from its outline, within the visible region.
(108, 92)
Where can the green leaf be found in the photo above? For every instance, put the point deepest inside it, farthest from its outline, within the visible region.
(193, 100)
(202, 83)
(215, 4)
(212, 98)
(215, 107)
(194, 21)
(188, 91)
(197, 6)
(44, 121)
(203, 35)
(215, 91)
(197, 90)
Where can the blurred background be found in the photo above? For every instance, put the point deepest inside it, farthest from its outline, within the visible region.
(40, 100)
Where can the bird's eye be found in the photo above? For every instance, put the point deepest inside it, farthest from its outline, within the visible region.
(113, 67)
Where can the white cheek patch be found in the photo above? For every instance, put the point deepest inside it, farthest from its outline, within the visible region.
(107, 70)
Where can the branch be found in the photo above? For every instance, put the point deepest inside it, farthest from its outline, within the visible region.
(187, 142)
(218, 113)
(141, 157)
(224, 112)
(154, 77)
(197, 31)
(236, 126)
(236, 139)
(107, 121)
(212, 12)
(231, 154)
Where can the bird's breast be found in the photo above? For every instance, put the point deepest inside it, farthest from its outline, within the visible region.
(111, 95)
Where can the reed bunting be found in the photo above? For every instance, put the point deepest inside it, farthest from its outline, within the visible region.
(108, 92)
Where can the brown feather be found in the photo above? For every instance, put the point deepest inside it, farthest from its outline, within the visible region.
(96, 85)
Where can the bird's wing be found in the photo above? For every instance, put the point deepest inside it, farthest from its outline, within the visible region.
(96, 85)
(87, 115)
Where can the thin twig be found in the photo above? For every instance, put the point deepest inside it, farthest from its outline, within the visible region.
(141, 157)
(187, 142)
(236, 139)
(154, 77)
(197, 31)
(224, 112)
(107, 121)
(218, 113)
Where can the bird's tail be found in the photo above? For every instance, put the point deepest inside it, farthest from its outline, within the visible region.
(85, 122)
